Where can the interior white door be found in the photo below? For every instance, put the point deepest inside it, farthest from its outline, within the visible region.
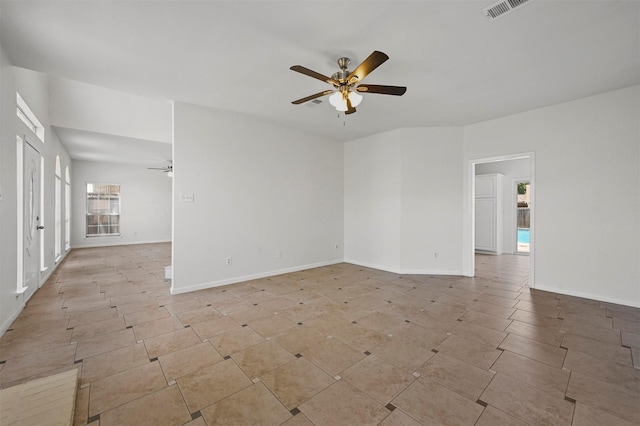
(32, 227)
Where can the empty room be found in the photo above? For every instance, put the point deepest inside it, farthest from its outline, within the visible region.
(320, 212)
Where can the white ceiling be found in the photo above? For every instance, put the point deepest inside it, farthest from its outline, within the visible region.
(93, 146)
(458, 67)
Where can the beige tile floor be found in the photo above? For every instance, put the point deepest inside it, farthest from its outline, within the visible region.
(338, 345)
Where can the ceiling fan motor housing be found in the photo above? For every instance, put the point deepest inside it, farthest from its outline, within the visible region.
(343, 63)
(341, 76)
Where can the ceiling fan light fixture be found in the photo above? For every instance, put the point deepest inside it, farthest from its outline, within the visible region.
(170, 174)
(355, 98)
(336, 99)
(339, 102)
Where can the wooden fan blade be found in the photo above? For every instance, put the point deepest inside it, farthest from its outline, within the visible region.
(311, 73)
(371, 63)
(311, 97)
(350, 108)
(384, 90)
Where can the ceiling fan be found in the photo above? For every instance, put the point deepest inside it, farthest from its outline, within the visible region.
(166, 169)
(345, 95)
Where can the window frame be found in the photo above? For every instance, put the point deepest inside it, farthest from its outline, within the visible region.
(57, 206)
(67, 209)
(108, 216)
(28, 117)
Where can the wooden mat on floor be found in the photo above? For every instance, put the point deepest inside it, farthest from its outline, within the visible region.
(50, 400)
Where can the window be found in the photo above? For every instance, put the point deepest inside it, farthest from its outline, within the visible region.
(67, 209)
(26, 120)
(27, 116)
(58, 210)
(103, 209)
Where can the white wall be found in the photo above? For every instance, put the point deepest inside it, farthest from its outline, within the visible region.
(10, 303)
(587, 202)
(257, 188)
(512, 170)
(402, 201)
(33, 87)
(372, 201)
(97, 109)
(145, 215)
(431, 203)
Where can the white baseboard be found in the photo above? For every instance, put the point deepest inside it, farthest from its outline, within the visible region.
(404, 271)
(234, 280)
(11, 319)
(117, 243)
(50, 270)
(590, 296)
(489, 252)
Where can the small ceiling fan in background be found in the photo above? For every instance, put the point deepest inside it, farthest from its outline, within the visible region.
(168, 169)
(345, 95)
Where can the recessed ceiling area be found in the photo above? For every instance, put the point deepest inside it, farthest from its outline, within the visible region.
(459, 67)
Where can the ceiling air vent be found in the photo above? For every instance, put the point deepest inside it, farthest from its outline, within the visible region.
(502, 7)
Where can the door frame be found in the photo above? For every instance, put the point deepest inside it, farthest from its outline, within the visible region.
(469, 213)
(27, 291)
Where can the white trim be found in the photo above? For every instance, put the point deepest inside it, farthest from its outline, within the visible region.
(12, 318)
(372, 265)
(203, 286)
(173, 186)
(43, 258)
(589, 296)
(117, 243)
(20, 292)
(57, 213)
(403, 271)
(45, 277)
(20, 210)
(67, 210)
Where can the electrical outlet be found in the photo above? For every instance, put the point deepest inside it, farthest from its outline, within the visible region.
(435, 255)
(186, 198)
(337, 246)
(278, 254)
(228, 261)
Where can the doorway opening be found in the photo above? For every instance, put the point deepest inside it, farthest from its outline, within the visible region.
(504, 260)
(523, 216)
